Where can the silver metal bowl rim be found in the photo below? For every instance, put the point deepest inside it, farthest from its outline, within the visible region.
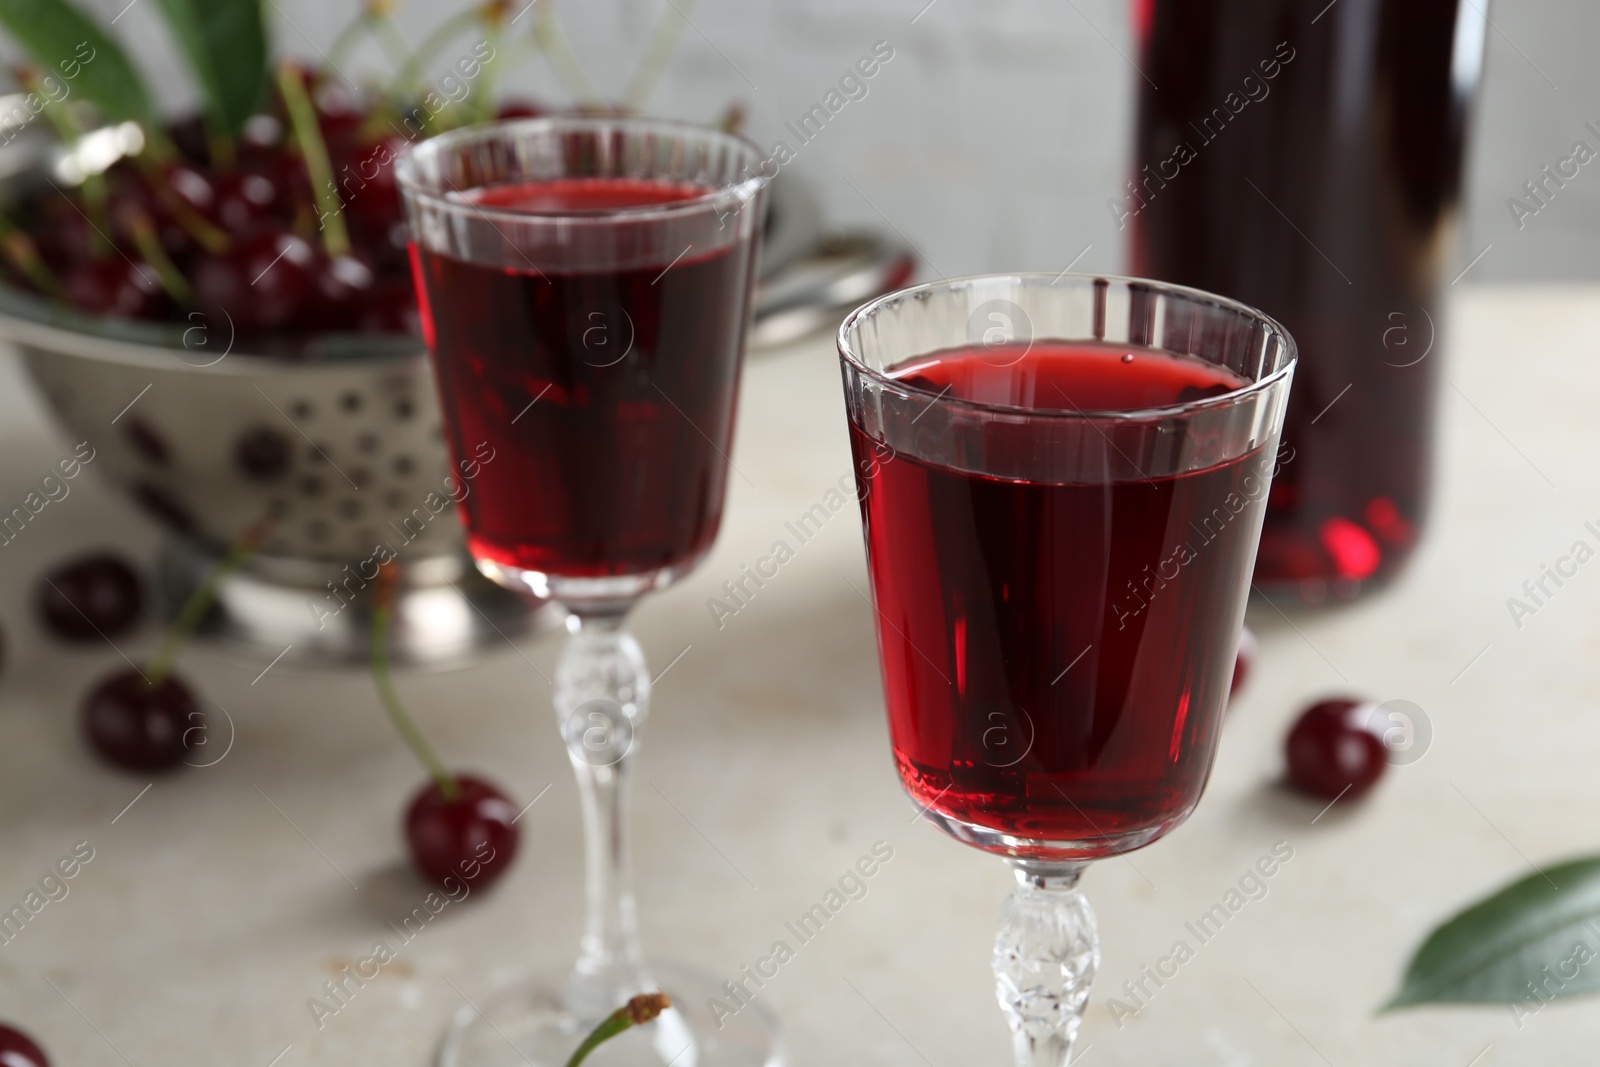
(379, 351)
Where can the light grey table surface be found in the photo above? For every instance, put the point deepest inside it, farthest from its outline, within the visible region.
(206, 921)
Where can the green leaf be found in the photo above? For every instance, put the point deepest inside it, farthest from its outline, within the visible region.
(74, 49)
(226, 44)
(1543, 930)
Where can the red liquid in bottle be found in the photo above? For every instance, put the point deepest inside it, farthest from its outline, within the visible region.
(596, 405)
(1310, 165)
(1056, 657)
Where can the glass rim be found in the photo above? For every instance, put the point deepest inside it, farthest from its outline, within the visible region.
(1232, 397)
(406, 166)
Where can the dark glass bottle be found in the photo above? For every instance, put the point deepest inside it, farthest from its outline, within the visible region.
(1309, 163)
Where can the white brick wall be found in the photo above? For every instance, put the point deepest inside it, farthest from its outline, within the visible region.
(996, 133)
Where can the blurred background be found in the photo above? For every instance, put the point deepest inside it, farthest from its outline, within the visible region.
(1031, 96)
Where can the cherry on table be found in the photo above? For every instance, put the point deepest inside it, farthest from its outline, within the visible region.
(138, 726)
(17, 1049)
(90, 597)
(1331, 753)
(471, 838)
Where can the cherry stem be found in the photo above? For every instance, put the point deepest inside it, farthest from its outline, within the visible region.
(200, 601)
(547, 31)
(220, 147)
(663, 42)
(348, 37)
(383, 31)
(167, 272)
(21, 252)
(308, 134)
(638, 1011)
(483, 109)
(406, 81)
(732, 120)
(382, 609)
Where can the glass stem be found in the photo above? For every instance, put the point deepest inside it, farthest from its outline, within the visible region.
(602, 694)
(1045, 957)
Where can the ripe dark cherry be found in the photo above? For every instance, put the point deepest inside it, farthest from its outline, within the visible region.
(341, 284)
(115, 286)
(1244, 660)
(262, 283)
(1332, 754)
(90, 597)
(64, 240)
(391, 307)
(366, 180)
(471, 838)
(246, 198)
(132, 202)
(193, 188)
(339, 113)
(17, 1049)
(518, 109)
(141, 727)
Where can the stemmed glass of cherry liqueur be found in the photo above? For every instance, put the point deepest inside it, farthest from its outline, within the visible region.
(584, 287)
(1062, 481)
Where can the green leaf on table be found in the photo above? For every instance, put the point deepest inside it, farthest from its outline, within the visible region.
(73, 48)
(226, 45)
(1539, 934)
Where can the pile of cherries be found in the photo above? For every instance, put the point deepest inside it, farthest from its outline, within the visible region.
(239, 239)
(135, 725)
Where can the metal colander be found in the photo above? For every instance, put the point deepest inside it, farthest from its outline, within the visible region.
(341, 443)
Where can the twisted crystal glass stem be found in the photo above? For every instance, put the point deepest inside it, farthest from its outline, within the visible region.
(1045, 957)
(602, 695)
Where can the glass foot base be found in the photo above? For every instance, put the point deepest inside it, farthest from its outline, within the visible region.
(524, 1024)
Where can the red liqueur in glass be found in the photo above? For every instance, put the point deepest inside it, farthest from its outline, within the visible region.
(596, 405)
(1057, 655)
